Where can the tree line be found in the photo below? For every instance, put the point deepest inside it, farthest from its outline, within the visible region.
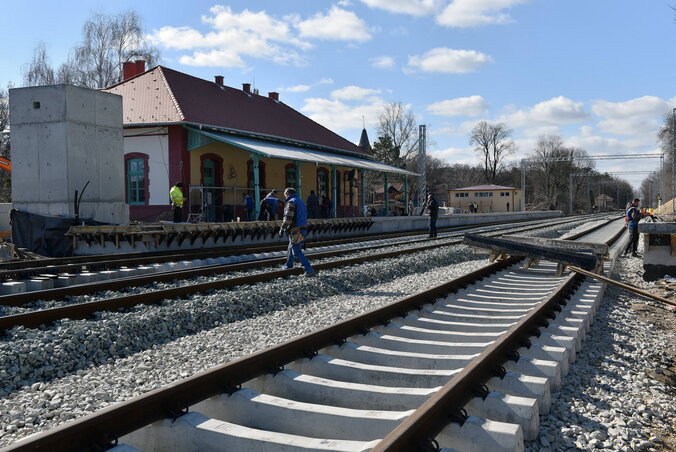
(95, 62)
(550, 167)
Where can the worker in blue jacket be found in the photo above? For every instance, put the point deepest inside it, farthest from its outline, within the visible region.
(294, 224)
(632, 217)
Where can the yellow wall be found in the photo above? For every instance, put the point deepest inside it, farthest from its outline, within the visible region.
(235, 174)
(496, 203)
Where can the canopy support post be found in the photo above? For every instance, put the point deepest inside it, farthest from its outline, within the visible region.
(257, 192)
(386, 195)
(334, 189)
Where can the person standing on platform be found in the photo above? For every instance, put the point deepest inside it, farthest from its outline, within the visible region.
(248, 204)
(176, 197)
(312, 205)
(269, 207)
(433, 206)
(294, 224)
(632, 216)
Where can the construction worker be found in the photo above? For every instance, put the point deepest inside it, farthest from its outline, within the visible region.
(176, 196)
(632, 216)
(294, 224)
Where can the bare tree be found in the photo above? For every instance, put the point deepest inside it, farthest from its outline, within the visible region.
(5, 179)
(107, 42)
(550, 167)
(39, 71)
(493, 143)
(397, 124)
(96, 62)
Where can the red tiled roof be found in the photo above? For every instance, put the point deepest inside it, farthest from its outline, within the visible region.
(483, 187)
(162, 95)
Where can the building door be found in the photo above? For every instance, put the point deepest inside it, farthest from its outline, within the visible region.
(209, 196)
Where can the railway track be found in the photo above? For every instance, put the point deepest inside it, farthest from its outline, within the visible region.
(25, 269)
(483, 351)
(37, 317)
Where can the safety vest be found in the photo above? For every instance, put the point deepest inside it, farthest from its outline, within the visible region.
(176, 196)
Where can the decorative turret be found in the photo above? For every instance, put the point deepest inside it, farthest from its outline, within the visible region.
(364, 142)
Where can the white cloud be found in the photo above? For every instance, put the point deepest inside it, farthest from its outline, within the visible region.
(464, 155)
(338, 25)
(382, 62)
(236, 36)
(555, 111)
(641, 106)
(353, 93)
(471, 13)
(461, 106)
(304, 88)
(233, 37)
(412, 7)
(448, 61)
(337, 115)
(641, 115)
(535, 132)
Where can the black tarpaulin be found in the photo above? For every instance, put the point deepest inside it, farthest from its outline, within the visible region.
(44, 234)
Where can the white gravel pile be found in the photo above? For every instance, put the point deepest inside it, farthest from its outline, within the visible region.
(609, 399)
(52, 375)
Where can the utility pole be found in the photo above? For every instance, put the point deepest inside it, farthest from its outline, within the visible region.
(523, 185)
(422, 149)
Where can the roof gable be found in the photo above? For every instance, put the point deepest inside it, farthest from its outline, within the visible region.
(163, 95)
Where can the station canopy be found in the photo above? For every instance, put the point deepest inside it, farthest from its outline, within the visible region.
(288, 151)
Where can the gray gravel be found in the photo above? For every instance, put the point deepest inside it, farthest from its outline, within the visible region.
(609, 400)
(52, 375)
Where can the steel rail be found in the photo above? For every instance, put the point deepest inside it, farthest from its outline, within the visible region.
(97, 430)
(106, 261)
(434, 414)
(121, 283)
(419, 430)
(25, 269)
(36, 318)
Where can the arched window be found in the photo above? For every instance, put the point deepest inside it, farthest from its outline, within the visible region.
(136, 177)
(322, 183)
(291, 176)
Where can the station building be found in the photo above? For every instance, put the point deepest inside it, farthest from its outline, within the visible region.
(488, 198)
(222, 142)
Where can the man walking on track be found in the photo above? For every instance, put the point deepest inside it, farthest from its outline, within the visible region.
(294, 224)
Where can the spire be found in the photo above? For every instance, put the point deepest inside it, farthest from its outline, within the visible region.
(364, 141)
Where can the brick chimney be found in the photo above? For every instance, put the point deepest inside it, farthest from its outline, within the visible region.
(132, 68)
(246, 87)
(274, 96)
(218, 79)
(128, 70)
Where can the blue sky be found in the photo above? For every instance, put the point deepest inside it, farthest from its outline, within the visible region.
(600, 73)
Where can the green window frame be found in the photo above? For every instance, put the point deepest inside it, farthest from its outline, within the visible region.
(136, 183)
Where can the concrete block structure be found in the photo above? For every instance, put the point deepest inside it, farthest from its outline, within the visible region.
(64, 136)
(486, 198)
(659, 249)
